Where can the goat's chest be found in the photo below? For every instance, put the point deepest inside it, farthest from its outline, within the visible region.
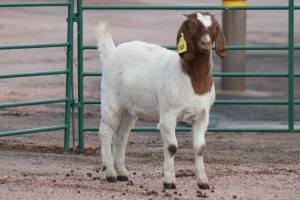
(194, 106)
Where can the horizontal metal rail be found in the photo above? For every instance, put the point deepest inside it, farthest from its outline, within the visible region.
(187, 129)
(92, 102)
(35, 130)
(137, 7)
(32, 46)
(249, 74)
(229, 102)
(35, 102)
(257, 47)
(34, 4)
(91, 73)
(30, 74)
(224, 74)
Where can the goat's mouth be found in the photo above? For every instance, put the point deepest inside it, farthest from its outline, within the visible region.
(204, 48)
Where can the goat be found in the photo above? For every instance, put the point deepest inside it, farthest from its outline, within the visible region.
(142, 80)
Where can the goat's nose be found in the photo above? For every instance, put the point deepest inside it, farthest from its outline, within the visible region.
(205, 43)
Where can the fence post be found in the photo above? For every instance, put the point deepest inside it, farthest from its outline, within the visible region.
(80, 77)
(69, 76)
(234, 27)
(291, 69)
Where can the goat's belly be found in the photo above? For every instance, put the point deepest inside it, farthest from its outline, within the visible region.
(141, 105)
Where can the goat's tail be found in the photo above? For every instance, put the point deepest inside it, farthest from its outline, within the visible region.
(105, 42)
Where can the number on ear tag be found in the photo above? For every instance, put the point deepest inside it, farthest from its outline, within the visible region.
(182, 46)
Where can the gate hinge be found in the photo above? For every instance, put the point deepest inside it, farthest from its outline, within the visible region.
(75, 105)
(75, 18)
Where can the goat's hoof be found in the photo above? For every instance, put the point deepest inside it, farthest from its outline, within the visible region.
(111, 179)
(122, 178)
(204, 186)
(169, 186)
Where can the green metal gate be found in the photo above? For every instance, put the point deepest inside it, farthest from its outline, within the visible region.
(290, 102)
(68, 72)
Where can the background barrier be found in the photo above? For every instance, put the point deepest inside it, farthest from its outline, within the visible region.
(69, 99)
(290, 102)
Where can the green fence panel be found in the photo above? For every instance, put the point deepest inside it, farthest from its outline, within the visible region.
(290, 75)
(68, 72)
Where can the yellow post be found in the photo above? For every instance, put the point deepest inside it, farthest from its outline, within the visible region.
(234, 3)
(234, 28)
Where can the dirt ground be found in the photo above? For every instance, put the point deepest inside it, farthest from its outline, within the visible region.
(239, 165)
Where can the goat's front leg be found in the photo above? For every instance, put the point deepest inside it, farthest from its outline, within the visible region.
(199, 128)
(170, 145)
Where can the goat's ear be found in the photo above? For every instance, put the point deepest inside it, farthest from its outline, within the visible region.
(220, 42)
(187, 30)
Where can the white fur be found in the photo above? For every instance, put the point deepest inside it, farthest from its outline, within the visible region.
(204, 19)
(146, 81)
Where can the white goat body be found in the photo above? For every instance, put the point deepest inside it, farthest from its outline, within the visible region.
(142, 80)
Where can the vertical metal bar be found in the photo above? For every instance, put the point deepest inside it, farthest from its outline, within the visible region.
(80, 77)
(69, 75)
(291, 65)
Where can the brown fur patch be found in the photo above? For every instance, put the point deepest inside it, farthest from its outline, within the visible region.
(199, 70)
(195, 62)
(172, 149)
(201, 151)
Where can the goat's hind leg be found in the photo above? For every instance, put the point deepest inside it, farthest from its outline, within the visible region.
(120, 140)
(107, 129)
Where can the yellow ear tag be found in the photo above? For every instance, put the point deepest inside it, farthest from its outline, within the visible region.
(182, 46)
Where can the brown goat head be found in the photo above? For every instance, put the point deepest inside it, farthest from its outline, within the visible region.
(200, 31)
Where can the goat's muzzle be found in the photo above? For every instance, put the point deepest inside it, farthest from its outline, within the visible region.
(205, 43)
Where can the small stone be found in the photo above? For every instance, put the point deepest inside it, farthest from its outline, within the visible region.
(72, 171)
(180, 194)
(54, 181)
(78, 191)
(141, 186)
(234, 196)
(67, 175)
(89, 174)
(124, 193)
(97, 171)
(134, 173)
(175, 192)
(163, 190)
(130, 183)
(167, 194)
(212, 191)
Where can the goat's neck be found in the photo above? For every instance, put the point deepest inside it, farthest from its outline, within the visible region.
(199, 69)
